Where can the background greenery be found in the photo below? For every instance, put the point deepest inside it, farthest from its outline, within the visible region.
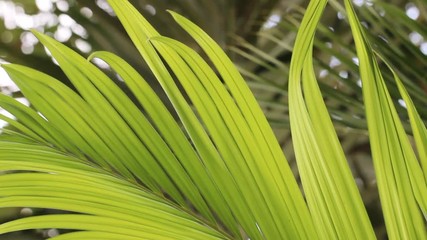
(259, 36)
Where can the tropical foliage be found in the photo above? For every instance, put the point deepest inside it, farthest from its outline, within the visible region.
(125, 167)
(391, 32)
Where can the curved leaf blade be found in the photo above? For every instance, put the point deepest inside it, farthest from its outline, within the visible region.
(394, 159)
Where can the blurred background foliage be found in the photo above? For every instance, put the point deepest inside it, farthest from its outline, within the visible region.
(258, 35)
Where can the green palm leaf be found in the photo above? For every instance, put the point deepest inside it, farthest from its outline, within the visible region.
(322, 164)
(68, 183)
(124, 169)
(399, 175)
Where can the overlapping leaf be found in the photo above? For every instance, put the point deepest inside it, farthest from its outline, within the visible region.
(130, 171)
(107, 204)
(252, 178)
(400, 179)
(331, 193)
(240, 175)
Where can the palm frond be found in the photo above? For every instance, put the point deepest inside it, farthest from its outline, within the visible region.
(400, 180)
(106, 203)
(102, 126)
(391, 32)
(123, 169)
(322, 164)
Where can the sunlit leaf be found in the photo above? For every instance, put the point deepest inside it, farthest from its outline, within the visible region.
(331, 192)
(394, 159)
